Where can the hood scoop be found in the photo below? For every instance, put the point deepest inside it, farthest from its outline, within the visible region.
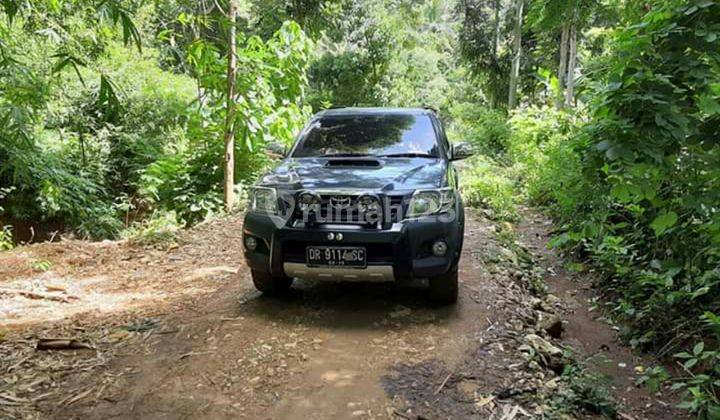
(353, 162)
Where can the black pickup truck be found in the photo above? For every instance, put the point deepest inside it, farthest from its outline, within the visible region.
(364, 194)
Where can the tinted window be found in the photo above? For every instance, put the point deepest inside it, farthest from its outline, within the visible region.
(387, 134)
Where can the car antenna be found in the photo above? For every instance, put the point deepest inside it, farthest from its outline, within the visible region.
(430, 108)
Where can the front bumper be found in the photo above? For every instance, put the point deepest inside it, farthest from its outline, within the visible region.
(374, 273)
(399, 253)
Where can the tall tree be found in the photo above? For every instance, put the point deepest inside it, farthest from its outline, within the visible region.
(517, 54)
(230, 107)
(562, 66)
(572, 60)
(551, 21)
(496, 22)
(483, 48)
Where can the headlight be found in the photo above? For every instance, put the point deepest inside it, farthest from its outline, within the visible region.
(427, 202)
(308, 201)
(263, 199)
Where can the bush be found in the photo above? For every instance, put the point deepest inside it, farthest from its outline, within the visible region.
(485, 128)
(485, 184)
(75, 161)
(637, 196)
(639, 186)
(541, 147)
(6, 238)
(187, 183)
(581, 390)
(158, 230)
(187, 179)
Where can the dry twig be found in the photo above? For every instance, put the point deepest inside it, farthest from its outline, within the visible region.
(61, 344)
(37, 295)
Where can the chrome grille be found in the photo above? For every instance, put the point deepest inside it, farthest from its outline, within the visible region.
(343, 209)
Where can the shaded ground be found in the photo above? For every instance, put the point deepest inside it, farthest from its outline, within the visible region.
(181, 333)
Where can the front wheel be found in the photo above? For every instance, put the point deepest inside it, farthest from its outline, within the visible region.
(270, 285)
(444, 288)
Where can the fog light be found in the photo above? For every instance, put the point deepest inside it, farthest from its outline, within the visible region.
(439, 248)
(250, 243)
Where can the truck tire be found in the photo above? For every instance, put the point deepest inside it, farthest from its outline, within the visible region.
(270, 285)
(444, 288)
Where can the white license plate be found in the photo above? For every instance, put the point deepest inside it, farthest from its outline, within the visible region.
(336, 256)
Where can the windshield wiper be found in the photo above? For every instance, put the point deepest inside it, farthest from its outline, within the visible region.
(349, 154)
(410, 155)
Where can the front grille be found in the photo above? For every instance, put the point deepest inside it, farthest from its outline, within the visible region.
(398, 207)
(345, 214)
(343, 209)
(377, 253)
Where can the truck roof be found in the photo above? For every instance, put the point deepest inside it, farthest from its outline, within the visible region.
(374, 111)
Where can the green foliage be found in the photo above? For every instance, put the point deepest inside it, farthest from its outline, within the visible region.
(354, 59)
(158, 230)
(583, 391)
(41, 265)
(270, 86)
(314, 16)
(654, 378)
(633, 181)
(485, 46)
(485, 128)
(388, 54)
(69, 162)
(660, 174)
(486, 184)
(6, 238)
(541, 148)
(636, 186)
(112, 114)
(701, 388)
(346, 78)
(187, 179)
(97, 134)
(36, 147)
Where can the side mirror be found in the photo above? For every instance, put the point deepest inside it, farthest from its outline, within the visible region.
(276, 148)
(461, 151)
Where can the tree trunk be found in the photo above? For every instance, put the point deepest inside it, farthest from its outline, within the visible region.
(572, 59)
(230, 109)
(493, 94)
(562, 66)
(81, 136)
(496, 42)
(515, 71)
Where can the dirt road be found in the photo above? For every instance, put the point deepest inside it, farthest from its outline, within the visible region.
(187, 337)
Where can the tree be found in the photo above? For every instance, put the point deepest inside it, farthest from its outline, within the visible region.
(483, 48)
(229, 184)
(572, 59)
(315, 17)
(517, 54)
(46, 48)
(558, 27)
(496, 22)
(562, 66)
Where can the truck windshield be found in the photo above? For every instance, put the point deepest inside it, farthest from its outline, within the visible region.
(387, 135)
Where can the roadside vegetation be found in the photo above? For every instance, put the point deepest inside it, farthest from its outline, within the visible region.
(631, 177)
(604, 114)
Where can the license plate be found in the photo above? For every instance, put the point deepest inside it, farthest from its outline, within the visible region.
(336, 256)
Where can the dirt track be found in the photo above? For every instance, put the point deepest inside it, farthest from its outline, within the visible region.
(202, 343)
